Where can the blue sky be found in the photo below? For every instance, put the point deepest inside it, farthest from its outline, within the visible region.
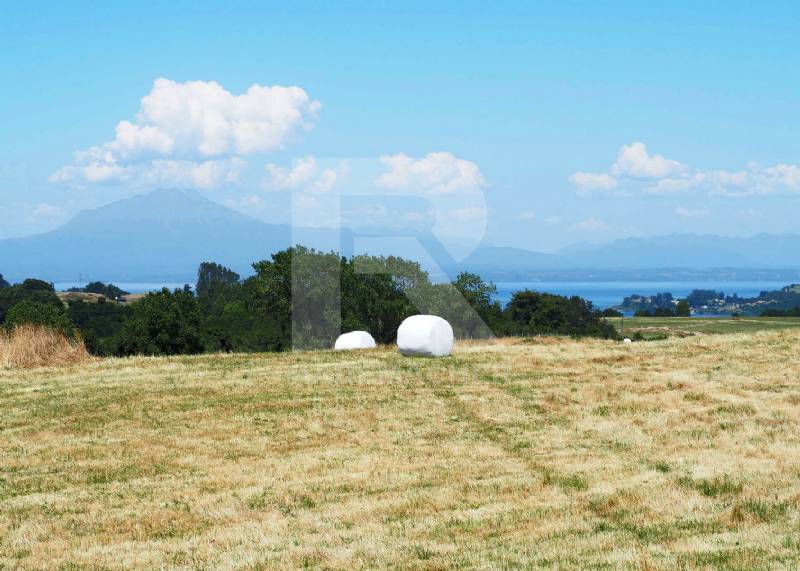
(585, 121)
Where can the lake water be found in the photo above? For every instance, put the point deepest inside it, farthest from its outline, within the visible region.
(601, 294)
(608, 294)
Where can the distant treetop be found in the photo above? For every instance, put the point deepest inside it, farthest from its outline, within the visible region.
(110, 291)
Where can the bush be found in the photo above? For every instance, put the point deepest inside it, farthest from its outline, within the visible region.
(163, 323)
(533, 313)
(32, 346)
(781, 312)
(683, 309)
(43, 314)
(110, 291)
(100, 324)
(29, 290)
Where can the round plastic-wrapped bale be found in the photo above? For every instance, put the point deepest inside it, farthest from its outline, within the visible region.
(425, 336)
(354, 340)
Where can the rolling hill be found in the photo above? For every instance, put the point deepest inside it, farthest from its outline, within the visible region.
(161, 236)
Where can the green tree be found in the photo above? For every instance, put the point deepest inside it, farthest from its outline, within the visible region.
(404, 274)
(214, 280)
(100, 324)
(466, 303)
(243, 326)
(32, 284)
(374, 295)
(110, 291)
(269, 292)
(303, 288)
(3, 283)
(795, 312)
(481, 297)
(534, 313)
(683, 309)
(29, 290)
(38, 313)
(163, 323)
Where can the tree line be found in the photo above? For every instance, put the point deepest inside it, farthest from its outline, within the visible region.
(298, 298)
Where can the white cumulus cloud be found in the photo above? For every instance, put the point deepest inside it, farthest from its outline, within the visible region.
(155, 173)
(671, 186)
(756, 179)
(634, 161)
(304, 175)
(635, 169)
(200, 119)
(195, 134)
(435, 173)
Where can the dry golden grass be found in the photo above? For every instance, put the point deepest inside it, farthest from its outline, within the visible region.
(29, 346)
(541, 453)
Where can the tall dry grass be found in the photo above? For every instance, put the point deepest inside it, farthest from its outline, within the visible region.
(29, 346)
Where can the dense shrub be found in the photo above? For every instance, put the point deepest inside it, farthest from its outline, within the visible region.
(29, 290)
(534, 313)
(682, 309)
(163, 323)
(108, 290)
(100, 324)
(29, 312)
(781, 312)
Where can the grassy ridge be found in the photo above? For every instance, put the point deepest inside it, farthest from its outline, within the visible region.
(538, 453)
(650, 326)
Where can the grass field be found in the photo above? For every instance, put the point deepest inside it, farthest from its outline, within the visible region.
(542, 453)
(658, 327)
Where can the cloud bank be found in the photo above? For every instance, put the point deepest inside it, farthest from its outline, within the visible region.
(635, 170)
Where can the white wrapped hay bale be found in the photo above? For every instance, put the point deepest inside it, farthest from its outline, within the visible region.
(354, 340)
(425, 336)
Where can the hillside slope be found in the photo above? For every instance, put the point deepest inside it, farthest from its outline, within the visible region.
(161, 236)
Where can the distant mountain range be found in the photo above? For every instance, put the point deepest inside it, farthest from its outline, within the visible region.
(164, 235)
(676, 257)
(161, 236)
